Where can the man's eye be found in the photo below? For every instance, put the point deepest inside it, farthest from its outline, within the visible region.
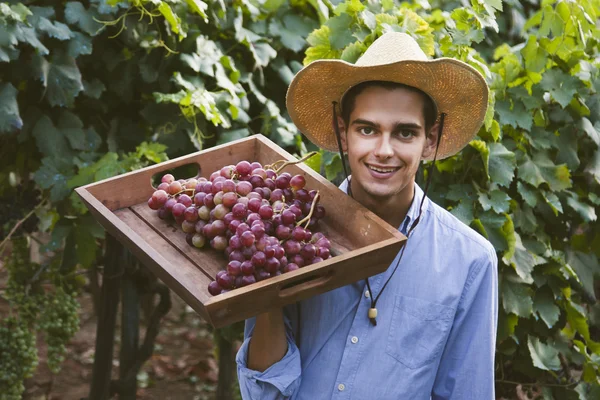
(406, 134)
(367, 130)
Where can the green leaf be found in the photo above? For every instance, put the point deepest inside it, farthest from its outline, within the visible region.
(516, 298)
(502, 164)
(263, 53)
(10, 119)
(528, 194)
(542, 170)
(543, 356)
(353, 51)
(522, 260)
(483, 150)
(587, 268)
(464, 212)
(577, 319)
(587, 212)
(340, 32)
(320, 46)
(561, 86)
(61, 78)
(516, 115)
(593, 131)
(231, 135)
(554, 202)
(79, 44)
(172, 18)
(50, 141)
(544, 306)
(76, 14)
(53, 174)
(567, 148)
(199, 7)
(85, 246)
(93, 89)
(593, 167)
(292, 30)
(506, 325)
(496, 200)
(535, 56)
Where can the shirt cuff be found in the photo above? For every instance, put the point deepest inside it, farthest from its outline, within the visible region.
(284, 374)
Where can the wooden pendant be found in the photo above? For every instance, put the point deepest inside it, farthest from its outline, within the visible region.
(372, 313)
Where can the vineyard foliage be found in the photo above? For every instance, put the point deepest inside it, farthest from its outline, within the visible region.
(92, 89)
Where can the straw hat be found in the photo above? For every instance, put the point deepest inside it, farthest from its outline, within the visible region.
(457, 89)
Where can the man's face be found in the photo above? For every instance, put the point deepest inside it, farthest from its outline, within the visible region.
(385, 141)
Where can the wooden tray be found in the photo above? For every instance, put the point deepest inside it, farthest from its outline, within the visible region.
(365, 245)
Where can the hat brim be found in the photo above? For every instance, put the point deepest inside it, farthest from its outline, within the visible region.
(458, 90)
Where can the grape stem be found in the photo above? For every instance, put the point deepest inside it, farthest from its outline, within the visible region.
(184, 190)
(309, 216)
(286, 163)
(20, 222)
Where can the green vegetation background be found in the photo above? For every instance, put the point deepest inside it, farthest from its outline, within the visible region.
(92, 89)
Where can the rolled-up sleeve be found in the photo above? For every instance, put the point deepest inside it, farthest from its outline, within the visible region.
(466, 369)
(279, 381)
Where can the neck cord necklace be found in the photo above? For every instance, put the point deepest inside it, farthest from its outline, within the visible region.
(372, 314)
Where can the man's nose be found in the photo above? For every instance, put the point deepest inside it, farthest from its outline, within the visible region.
(384, 147)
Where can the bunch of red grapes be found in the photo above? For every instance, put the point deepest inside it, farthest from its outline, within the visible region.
(260, 219)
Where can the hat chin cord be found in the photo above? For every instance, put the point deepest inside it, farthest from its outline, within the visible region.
(372, 314)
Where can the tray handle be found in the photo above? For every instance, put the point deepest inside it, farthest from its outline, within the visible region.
(313, 281)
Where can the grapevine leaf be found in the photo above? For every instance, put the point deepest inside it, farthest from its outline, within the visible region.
(525, 219)
(587, 268)
(340, 32)
(496, 200)
(567, 148)
(522, 260)
(76, 14)
(464, 212)
(593, 167)
(10, 119)
(53, 174)
(587, 212)
(502, 164)
(554, 202)
(231, 135)
(321, 9)
(543, 305)
(93, 89)
(458, 191)
(542, 170)
(263, 53)
(576, 317)
(292, 30)
(50, 141)
(320, 46)
(561, 86)
(516, 115)
(40, 21)
(534, 55)
(353, 51)
(484, 151)
(80, 139)
(199, 7)
(506, 325)
(593, 131)
(61, 78)
(516, 298)
(528, 194)
(543, 356)
(172, 18)
(79, 44)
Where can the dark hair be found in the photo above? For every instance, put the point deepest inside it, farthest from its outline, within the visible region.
(349, 99)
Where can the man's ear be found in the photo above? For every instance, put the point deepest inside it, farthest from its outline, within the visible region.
(342, 130)
(431, 141)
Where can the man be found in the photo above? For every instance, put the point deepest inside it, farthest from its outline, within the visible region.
(426, 327)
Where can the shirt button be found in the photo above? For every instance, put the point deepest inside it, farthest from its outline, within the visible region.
(367, 294)
(354, 339)
(341, 387)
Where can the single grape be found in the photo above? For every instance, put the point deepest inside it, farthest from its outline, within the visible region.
(153, 204)
(308, 251)
(235, 242)
(254, 195)
(218, 198)
(270, 184)
(244, 201)
(220, 211)
(236, 255)
(298, 260)
(228, 218)
(261, 275)
(227, 172)
(266, 192)
(214, 288)
(297, 182)
(191, 214)
(191, 183)
(204, 213)
(160, 197)
(170, 203)
(243, 168)
(323, 242)
(215, 175)
(247, 268)
(239, 210)
(199, 198)
(178, 210)
(198, 241)
(167, 178)
(247, 238)
(257, 230)
(260, 172)
(248, 252)
(298, 234)
(262, 243)
(234, 268)
(265, 212)
(208, 200)
(254, 205)
(291, 247)
(302, 195)
(189, 238)
(282, 182)
(291, 267)
(175, 187)
(288, 194)
(225, 281)
(257, 181)
(255, 165)
(243, 188)
(219, 243)
(217, 186)
(288, 217)
(259, 259)
(323, 252)
(219, 227)
(252, 218)
(163, 213)
(188, 226)
(272, 264)
(283, 261)
(248, 280)
(229, 199)
(269, 227)
(283, 232)
(207, 187)
(316, 260)
(207, 231)
(233, 225)
(276, 195)
(258, 222)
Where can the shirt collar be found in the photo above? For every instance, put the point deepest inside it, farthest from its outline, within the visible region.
(413, 211)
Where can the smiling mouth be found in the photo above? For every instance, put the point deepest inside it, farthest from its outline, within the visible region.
(382, 169)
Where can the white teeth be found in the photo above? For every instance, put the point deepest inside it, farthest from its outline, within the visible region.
(383, 170)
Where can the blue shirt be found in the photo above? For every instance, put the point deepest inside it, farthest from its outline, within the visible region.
(435, 333)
